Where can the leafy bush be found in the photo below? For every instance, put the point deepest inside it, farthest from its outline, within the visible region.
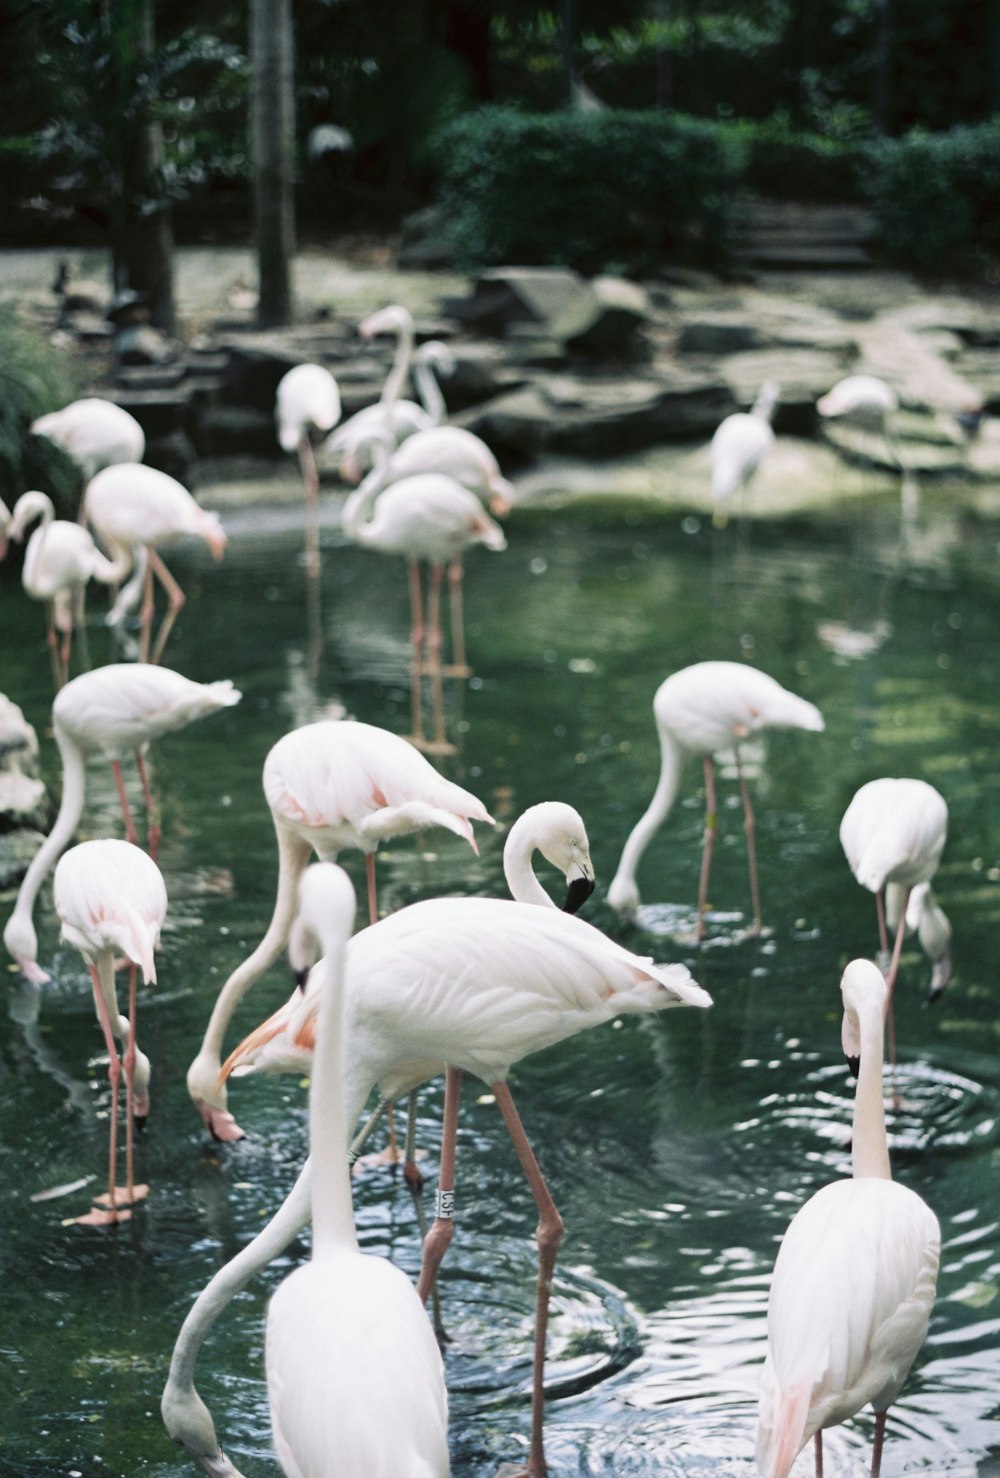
(611, 189)
(789, 164)
(33, 380)
(937, 198)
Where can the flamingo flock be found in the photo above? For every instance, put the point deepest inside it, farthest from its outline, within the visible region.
(462, 985)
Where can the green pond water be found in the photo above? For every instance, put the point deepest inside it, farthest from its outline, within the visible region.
(677, 1147)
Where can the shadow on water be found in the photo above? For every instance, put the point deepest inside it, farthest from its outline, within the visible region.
(677, 1147)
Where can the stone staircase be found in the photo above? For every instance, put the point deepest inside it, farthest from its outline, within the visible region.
(786, 235)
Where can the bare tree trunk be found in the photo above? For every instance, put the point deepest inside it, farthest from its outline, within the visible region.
(272, 132)
(882, 88)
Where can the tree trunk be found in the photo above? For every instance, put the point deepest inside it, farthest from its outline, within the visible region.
(272, 131)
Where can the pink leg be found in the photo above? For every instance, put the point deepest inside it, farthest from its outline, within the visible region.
(116, 770)
(52, 639)
(883, 936)
(153, 829)
(417, 644)
(877, 1444)
(372, 896)
(459, 666)
(175, 599)
(439, 744)
(100, 1216)
(750, 828)
(711, 823)
(548, 1237)
(146, 612)
(310, 477)
(438, 1239)
(134, 1192)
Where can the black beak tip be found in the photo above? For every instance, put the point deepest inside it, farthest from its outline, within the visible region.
(854, 1063)
(301, 976)
(577, 894)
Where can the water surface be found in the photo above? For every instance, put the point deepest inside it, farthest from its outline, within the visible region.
(677, 1147)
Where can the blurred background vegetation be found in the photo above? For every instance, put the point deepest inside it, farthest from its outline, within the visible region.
(647, 123)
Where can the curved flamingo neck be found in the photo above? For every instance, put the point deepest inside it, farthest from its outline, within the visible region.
(671, 764)
(359, 506)
(396, 378)
(28, 507)
(65, 824)
(517, 869)
(428, 389)
(333, 1208)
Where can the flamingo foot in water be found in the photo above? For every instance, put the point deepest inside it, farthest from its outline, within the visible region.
(122, 1199)
(220, 1123)
(98, 1216)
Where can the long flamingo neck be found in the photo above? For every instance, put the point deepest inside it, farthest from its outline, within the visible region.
(396, 377)
(293, 856)
(517, 869)
(671, 765)
(429, 390)
(869, 1147)
(333, 1209)
(65, 824)
(359, 505)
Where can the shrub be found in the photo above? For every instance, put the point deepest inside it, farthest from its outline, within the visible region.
(789, 164)
(605, 190)
(33, 380)
(937, 198)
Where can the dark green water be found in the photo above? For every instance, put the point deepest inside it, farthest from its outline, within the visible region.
(678, 1147)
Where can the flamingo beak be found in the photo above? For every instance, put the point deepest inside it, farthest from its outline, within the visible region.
(578, 891)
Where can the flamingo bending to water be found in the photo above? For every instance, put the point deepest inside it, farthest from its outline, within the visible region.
(134, 510)
(307, 405)
(479, 984)
(108, 711)
(855, 1276)
(59, 560)
(329, 785)
(701, 710)
(111, 900)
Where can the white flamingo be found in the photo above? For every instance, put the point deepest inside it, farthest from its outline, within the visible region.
(870, 404)
(108, 711)
(345, 1324)
(329, 785)
(433, 518)
(96, 433)
(855, 1276)
(893, 833)
(307, 405)
(740, 444)
(479, 984)
(701, 710)
(111, 900)
(59, 560)
(134, 510)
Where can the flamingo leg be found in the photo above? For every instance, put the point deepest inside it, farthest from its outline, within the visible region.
(310, 478)
(548, 1236)
(708, 846)
(146, 611)
(130, 832)
(878, 1442)
(890, 981)
(372, 895)
(175, 599)
(417, 643)
(439, 744)
(133, 1192)
(99, 1216)
(750, 827)
(818, 1453)
(153, 829)
(52, 640)
(458, 666)
(883, 936)
(415, 1181)
(438, 1239)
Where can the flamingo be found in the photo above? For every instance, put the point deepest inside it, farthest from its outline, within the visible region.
(478, 984)
(701, 710)
(133, 510)
(96, 433)
(345, 1324)
(59, 560)
(429, 517)
(307, 404)
(893, 833)
(855, 1276)
(5, 517)
(107, 711)
(870, 404)
(740, 444)
(329, 785)
(111, 898)
(390, 415)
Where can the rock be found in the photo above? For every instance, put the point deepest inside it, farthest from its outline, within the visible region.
(23, 801)
(803, 374)
(506, 295)
(159, 412)
(224, 430)
(482, 370)
(175, 455)
(605, 320)
(718, 333)
(255, 365)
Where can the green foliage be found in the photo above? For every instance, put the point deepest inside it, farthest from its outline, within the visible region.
(790, 164)
(937, 199)
(33, 380)
(605, 190)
